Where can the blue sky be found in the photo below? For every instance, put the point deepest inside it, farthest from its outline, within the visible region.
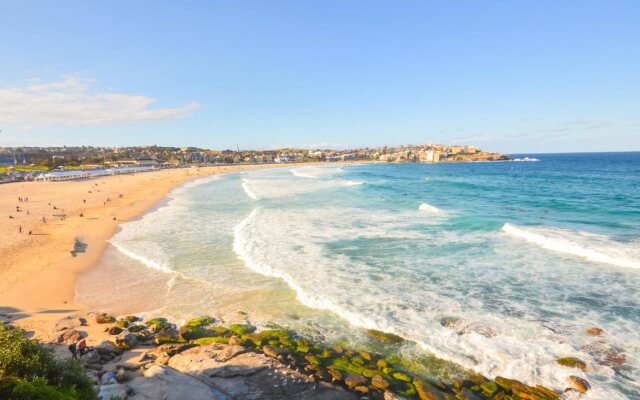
(519, 76)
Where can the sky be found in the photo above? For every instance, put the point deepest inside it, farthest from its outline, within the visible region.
(509, 76)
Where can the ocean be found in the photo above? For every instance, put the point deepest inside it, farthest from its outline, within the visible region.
(494, 267)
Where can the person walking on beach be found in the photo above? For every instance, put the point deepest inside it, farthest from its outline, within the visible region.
(74, 351)
(20, 229)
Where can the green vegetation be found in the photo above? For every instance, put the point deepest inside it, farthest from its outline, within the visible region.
(23, 168)
(28, 371)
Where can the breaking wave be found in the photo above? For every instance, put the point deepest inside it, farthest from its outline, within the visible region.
(594, 248)
(428, 208)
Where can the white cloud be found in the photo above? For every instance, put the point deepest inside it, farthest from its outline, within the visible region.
(69, 101)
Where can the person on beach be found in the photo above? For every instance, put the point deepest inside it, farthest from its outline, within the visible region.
(19, 228)
(82, 347)
(73, 350)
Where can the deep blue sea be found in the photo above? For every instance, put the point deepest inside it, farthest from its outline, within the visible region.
(498, 267)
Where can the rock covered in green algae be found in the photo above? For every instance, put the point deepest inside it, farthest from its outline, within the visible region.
(158, 324)
(242, 329)
(115, 330)
(203, 321)
(211, 340)
(572, 362)
(384, 337)
(188, 333)
(167, 335)
(104, 318)
(136, 328)
(122, 324)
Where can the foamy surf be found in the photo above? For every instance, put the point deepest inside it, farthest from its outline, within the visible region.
(594, 248)
(243, 246)
(144, 260)
(248, 191)
(428, 208)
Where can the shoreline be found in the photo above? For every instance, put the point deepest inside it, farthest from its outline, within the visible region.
(39, 292)
(39, 271)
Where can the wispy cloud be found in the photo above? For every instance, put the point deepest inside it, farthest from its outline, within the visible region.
(70, 101)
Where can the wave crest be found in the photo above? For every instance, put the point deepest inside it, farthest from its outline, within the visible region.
(594, 248)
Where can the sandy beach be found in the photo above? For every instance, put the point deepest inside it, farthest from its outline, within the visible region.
(41, 258)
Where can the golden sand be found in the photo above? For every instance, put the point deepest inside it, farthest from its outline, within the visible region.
(38, 271)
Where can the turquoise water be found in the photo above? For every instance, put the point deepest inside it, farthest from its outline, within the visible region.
(498, 267)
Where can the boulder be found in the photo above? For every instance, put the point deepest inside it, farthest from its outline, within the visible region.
(581, 385)
(167, 335)
(126, 340)
(384, 337)
(91, 357)
(161, 382)
(70, 336)
(107, 347)
(108, 378)
(273, 351)
(114, 330)
(104, 318)
(379, 382)
(111, 391)
(572, 362)
(355, 380)
(156, 325)
(242, 329)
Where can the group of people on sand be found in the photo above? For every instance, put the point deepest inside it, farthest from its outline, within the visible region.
(78, 348)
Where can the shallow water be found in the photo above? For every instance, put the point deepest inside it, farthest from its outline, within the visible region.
(520, 258)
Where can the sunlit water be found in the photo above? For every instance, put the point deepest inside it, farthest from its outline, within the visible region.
(519, 259)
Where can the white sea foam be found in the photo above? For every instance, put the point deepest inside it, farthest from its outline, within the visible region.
(144, 260)
(428, 208)
(595, 248)
(249, 192)
(290, 245)
(298, 173)
(525, 159)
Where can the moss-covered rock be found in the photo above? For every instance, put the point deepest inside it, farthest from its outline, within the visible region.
(136, 328)
(401, 377)
(343, 364)
(104, 318)
(242, 329)
(122, 324)
(114, 330)
(168, 335)
(132, 318)
(368, 373)
(203, 321)
(211, 340)
(505, 383)
(158, 324)
(572, 362)
(252, 339)
(384, 337)
(489, 388)
(533, 393)
(426, 391)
